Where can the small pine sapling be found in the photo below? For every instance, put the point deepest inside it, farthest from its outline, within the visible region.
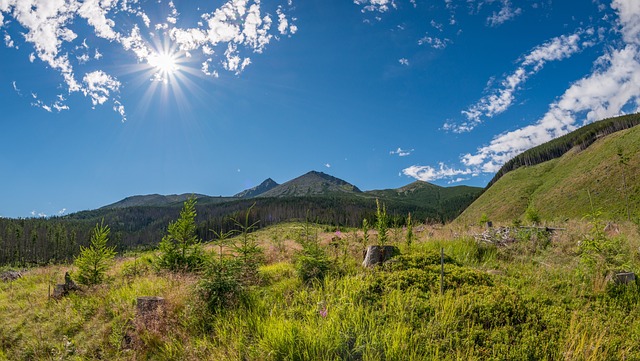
(381, 224)
(409, 235)
(93, 262)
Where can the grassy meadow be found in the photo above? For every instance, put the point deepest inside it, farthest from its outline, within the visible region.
(540, 296)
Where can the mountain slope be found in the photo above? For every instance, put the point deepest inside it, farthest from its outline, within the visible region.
(265, 186)
(152, 200)
(448, 201)
(566, 187)
(312, 184)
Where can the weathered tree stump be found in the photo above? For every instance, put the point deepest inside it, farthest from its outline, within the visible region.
(149, 311)
(10, 275)
(624, 278)
(376, 255)
(61, 290)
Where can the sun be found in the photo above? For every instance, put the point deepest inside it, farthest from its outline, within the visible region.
(165, 65)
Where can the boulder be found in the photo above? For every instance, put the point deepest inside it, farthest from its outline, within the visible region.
(376, 255)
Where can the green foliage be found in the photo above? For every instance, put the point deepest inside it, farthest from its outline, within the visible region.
(409, 235)
(365, 233)
(602, 254)
(381, 223)
(533, 239)
(180, 249)
(222, 239)
(484, 219)
(249, 253)
(532, 215)
(221, 287)
(94, 261)
(311, 263)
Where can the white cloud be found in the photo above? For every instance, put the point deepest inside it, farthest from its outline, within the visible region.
(327, 165)
(99, 85)
(15, 88)
(628, 19)
(404, 61)
(436, 43)
(62, 211)
(603, 94)
(401, 152)
(505, 14)
(8, 42)
(499, 100)
(429, 174)
(376, 5)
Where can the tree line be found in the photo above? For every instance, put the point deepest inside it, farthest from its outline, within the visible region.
(38, 241)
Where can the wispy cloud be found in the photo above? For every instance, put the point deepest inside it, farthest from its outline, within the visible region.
(376, 5)
(500, 99)
(401, 152)
(434, 42)
(506, 13)
(428, 174)
(404, 61)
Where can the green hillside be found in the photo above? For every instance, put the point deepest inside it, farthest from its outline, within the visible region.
(561, 188)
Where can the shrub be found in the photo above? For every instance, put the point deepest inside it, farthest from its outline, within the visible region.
(312, 264)
(94, 261)
(221, 287)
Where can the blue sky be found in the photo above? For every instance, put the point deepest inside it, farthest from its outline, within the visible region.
(101, 100)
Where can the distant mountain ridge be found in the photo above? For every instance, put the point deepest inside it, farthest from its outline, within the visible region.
(152, 200)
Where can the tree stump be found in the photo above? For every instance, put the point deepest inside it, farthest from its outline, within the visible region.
(149, 311)
(376, 255)
(63, 289)
(10, 276)
(624, 278)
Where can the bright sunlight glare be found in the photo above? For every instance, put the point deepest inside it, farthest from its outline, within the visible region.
(165, 64)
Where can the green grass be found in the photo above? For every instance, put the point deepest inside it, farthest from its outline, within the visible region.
(530, 301)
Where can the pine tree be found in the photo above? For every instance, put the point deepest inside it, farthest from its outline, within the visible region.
(93, 262)
(180, 249)
(381, 223)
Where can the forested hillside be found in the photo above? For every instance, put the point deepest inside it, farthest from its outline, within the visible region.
(580, 139)
(602, 179)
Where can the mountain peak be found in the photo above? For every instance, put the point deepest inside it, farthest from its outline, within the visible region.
(265, 186)
(312, 183)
